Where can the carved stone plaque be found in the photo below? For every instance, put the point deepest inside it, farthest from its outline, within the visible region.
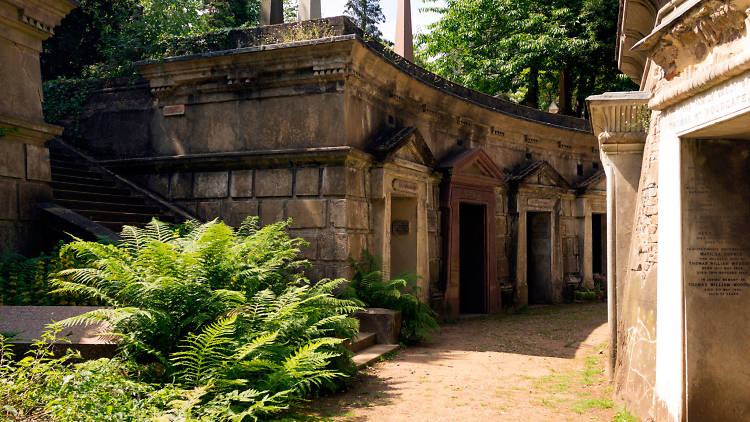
(405, 186)
(716, 277)
(400, 227)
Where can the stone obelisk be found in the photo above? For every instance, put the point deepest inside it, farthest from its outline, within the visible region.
(308, 9)
(271, 12)
(404, 39)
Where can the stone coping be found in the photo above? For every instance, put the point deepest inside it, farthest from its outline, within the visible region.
(228, 160)
(345, 31)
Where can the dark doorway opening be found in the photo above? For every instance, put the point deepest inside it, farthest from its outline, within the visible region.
(599, 242)
(472, 251)
(538, 258)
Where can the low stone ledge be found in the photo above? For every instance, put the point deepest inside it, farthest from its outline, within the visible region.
(28, 323)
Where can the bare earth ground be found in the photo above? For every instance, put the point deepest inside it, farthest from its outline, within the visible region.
(545, 364)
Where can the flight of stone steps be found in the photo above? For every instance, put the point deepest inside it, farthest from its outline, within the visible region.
(81, 186)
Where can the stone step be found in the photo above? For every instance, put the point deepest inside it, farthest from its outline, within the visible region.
(385, 323)
(79, 164)
(69, 171)
(75, 195)
(122, 215)
(372, 354)
(89, 188)
(361, 341)
(90, 181)
(77, 204)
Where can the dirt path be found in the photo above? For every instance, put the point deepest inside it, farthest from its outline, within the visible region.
(545, 364)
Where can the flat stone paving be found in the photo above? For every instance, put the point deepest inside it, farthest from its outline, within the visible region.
(545, 364)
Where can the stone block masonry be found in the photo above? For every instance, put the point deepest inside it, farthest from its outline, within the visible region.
(326, 203)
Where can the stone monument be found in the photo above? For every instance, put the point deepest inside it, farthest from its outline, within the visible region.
(309, 9)
(676, 156)
(404, 40)
(24, 160)
(272, 12)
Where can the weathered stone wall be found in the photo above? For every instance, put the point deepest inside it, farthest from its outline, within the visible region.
(253, 132)
(327, 203)
(635, 366)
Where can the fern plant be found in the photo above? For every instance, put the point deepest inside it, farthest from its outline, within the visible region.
(401, 294)
(228, 315)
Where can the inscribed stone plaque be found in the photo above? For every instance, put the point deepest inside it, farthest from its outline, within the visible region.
(716, 266)
(400, 227)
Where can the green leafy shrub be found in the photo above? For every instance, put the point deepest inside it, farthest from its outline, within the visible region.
(41, 386)
(227, 315)
(25, 281)
(401, 294)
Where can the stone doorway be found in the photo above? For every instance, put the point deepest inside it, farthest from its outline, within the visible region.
(469, 195)
(599, 243)
(539, 248)
(472, 258)
(403, 236)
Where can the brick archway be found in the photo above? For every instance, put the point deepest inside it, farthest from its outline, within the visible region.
(471, 181)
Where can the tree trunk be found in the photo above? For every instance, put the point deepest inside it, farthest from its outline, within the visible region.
(532, 93)
(564, 92)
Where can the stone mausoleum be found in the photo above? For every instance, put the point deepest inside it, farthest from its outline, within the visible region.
(676, 155)
(493, 204)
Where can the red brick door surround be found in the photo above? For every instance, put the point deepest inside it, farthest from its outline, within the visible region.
(471, 177)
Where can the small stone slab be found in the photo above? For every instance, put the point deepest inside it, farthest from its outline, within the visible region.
(385, 323)
(29, 322)
(372, 354)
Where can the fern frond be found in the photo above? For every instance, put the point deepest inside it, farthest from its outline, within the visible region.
(203, 354)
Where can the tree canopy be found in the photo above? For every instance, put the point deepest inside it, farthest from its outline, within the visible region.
(366, 14)
(102, 37)
(530, 51)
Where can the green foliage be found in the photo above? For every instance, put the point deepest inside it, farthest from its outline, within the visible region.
(25, 281)
(102, 38)
(227, 314)
(41, 386)
(4, 131)
(366, 14)
(417, 318)
(522, 49)
(64, 102)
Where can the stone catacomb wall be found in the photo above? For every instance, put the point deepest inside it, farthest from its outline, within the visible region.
(24, 160)
(687, 209)
(338, 134)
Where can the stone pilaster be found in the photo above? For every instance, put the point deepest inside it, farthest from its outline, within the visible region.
(404, 40)
(619, 120)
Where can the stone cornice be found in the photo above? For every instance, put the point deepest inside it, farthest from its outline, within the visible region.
(224, 71)
(620, 120)
(244, 159)
(34, 19)
(27, 131)
(690, 34)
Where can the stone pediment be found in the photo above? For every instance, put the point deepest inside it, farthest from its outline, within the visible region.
(538, 173)
(595, 182)
(472, 163)
(402, 143)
